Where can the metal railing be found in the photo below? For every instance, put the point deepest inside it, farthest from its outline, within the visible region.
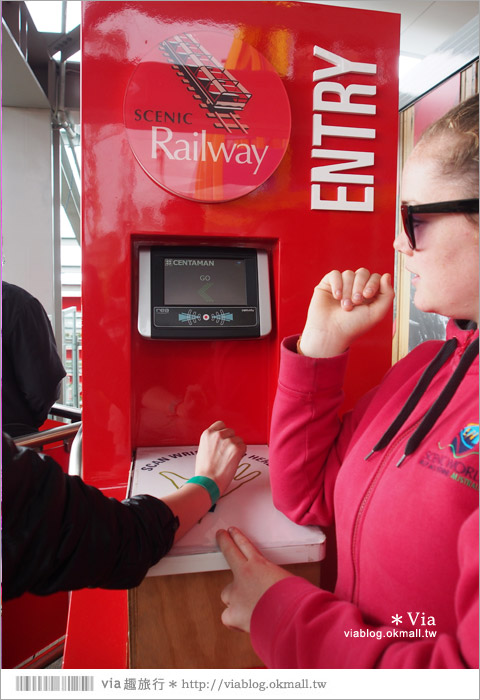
(75, 462)
(70, 434)
(45, 437)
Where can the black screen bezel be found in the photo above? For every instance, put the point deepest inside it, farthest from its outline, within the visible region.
(157, 266)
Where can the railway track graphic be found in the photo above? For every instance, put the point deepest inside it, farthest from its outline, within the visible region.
(215, 88)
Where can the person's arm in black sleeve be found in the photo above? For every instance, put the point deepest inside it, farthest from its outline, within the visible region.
(61, 534)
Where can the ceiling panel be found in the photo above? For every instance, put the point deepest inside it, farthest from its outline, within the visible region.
(424, 25)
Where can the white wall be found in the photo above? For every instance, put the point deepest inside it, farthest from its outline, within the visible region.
(27, 216)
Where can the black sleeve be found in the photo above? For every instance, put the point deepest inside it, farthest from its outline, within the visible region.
(61, 534)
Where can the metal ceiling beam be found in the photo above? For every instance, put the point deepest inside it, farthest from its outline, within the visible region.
(27, 63)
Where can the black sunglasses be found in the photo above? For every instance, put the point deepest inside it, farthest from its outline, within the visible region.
(457, 206)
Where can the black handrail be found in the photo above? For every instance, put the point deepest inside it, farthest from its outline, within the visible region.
(59, 409)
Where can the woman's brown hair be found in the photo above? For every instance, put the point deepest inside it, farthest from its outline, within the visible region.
(458, 130)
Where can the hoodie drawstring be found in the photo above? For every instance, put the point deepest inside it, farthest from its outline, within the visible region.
(438, 406)
(435, 411)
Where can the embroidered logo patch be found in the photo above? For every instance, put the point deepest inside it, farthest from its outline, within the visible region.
(456, 462)
(465, 441)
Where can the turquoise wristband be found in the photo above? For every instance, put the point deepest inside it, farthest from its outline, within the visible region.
(207, 484)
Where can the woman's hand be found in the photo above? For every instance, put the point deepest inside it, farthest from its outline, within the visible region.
(344, 305)
(252, 577)
(219, 453)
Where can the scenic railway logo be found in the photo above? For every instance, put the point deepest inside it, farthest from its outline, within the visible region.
(207, 116)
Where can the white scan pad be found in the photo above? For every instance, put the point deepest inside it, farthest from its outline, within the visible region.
(246, 504)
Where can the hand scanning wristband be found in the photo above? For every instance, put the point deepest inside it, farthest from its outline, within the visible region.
(208, 484)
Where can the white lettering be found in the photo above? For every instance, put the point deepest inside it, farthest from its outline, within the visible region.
(221, 149)
(413, 619)
(341, 203)
(340, 65)
(430, 620)
(184, 152)
(193, 263)
(320, 130)
(181, 149)
(155, 142)
(342, 102)
(345, 93)
(246, 155)
(358, 159)
(257, 157)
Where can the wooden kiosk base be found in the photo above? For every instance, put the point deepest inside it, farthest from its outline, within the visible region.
(174, 622)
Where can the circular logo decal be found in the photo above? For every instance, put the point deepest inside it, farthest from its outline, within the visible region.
(207, 116)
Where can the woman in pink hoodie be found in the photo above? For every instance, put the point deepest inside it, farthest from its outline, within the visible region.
(398, 474)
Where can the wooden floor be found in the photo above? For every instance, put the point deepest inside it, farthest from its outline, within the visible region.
(175, 622)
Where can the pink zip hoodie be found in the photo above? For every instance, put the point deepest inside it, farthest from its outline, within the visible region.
(407, 535)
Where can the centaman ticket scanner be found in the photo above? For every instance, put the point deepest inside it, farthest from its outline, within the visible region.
(203, 292)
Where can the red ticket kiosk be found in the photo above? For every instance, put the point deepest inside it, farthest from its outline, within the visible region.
(250, 128)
